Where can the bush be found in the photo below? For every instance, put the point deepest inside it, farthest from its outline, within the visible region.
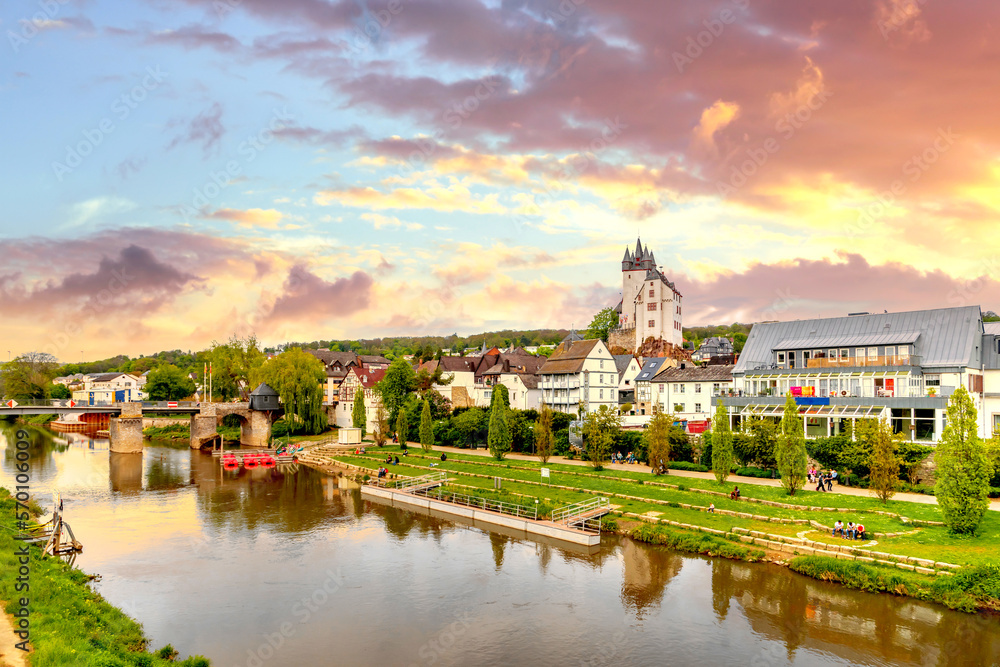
(685, 465)
(760, 473)
(826, 451)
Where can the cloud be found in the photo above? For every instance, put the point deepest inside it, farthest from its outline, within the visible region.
(253, 217)
(205, 129)
(713, 119)
(307, 296)
(95, 210)
(389, 222)
(450, 198)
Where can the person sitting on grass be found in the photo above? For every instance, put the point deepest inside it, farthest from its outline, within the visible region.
(735, 494)
(859, 532)
(711, 508)
(838, 527)
(850, 530)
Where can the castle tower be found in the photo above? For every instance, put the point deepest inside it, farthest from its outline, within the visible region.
(650, 303)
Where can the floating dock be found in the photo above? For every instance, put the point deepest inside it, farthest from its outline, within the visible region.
(521, 527)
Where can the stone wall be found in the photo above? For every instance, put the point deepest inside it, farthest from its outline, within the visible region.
(160, 422)
(623, 338)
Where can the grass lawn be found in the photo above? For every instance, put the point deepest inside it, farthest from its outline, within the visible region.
(928, 542)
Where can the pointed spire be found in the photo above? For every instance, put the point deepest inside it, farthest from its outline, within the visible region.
(638, 248)
(627, 257)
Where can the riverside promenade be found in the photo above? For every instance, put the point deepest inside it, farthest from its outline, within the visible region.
(732, 479)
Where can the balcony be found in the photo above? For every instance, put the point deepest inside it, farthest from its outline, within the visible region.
(859, 362)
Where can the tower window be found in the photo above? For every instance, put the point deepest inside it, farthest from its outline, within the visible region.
(651, 305)
(652, 323)
(651, 294)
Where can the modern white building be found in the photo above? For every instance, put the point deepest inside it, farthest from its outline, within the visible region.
(902, 366)
(108, 388)
(580, 375)
(686, 392)
(650, 303)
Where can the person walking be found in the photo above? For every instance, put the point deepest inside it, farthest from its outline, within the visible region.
(819, 482)
(833, 477)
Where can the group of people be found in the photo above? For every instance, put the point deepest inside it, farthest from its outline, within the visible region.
(824, 480)
(359, 450)
(852, 531)
(627, 458)
(382, 472)
(392, 460)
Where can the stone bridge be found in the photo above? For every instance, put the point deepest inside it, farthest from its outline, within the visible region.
(255, 426)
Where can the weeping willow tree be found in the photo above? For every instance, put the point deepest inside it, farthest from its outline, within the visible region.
(298, 378)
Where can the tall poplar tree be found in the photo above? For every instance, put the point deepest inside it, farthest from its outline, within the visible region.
(401, 427)
(658, 441)
(790, 452)
(358, 417)
(963, 469)
(426, 427)
(722, 444)
(883, 476)
(544, 440)
(499, 437)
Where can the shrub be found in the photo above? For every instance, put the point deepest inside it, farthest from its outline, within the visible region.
(694, 542)
(760, 473)
(685, 465)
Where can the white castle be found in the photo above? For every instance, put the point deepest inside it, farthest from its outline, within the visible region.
(650, 303)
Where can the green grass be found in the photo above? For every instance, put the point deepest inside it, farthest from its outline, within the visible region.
(692, 542)
(968, 590)
(71, 624)
(933, 542)
(171, 431)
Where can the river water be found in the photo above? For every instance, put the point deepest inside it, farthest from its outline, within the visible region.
(291, 567)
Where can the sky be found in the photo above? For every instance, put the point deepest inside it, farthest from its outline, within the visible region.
(175, 172)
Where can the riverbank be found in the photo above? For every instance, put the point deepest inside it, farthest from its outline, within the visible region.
(69, 623)
(907, 539)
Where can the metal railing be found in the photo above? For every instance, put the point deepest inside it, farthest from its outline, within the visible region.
(511, 509)
(577, 509)
(410, 482)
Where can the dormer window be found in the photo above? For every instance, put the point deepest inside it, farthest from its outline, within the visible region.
(781, 357)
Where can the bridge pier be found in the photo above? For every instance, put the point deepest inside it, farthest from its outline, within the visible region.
(204, 426)
(256, 430)
(126, 430)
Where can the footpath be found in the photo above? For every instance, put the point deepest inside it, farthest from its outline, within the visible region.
(732, 479)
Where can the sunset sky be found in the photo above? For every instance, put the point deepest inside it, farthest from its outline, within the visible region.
(176, 171)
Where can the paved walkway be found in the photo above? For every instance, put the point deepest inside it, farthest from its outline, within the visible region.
(734, 479)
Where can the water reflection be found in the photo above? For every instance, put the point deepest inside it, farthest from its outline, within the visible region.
(171, 526)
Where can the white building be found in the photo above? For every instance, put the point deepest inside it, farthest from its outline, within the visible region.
(628, 369)
(470, 379)
(650, 303)
(107, 388)
(901, 366)
(686, 392)
(581, 374)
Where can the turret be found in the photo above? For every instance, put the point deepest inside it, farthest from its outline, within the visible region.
(626, 261)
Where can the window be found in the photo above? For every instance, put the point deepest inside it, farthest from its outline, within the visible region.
(682, 389)
(650, 293)
(791, 359)
(651, 305)
(932, 380)
(904, 352)
(651, 324)
(697, 407)
(844, 354)
(890, 351)
(872, 353)
(601, 394)
(781, 357)
(661, 385)
(833, 354)
(602, 363)
(697, 390)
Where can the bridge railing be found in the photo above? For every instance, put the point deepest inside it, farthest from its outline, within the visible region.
(57, 403)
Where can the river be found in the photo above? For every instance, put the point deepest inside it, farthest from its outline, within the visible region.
(291, 567)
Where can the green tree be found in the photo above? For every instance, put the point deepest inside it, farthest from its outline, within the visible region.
(544, 440)
(963, 469)
(722, 444)
(358, 417)
(883, 464)
(298, 378)
(658, 437)
(604, 321)
(758, 447)
(381, 433)
(233, 363)
(397, 384)
(29, 376)
(60, 391)
(401, 427)
(599, 430)
(499, 438)
(790, 453)
(168, 383)
(426, 427)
